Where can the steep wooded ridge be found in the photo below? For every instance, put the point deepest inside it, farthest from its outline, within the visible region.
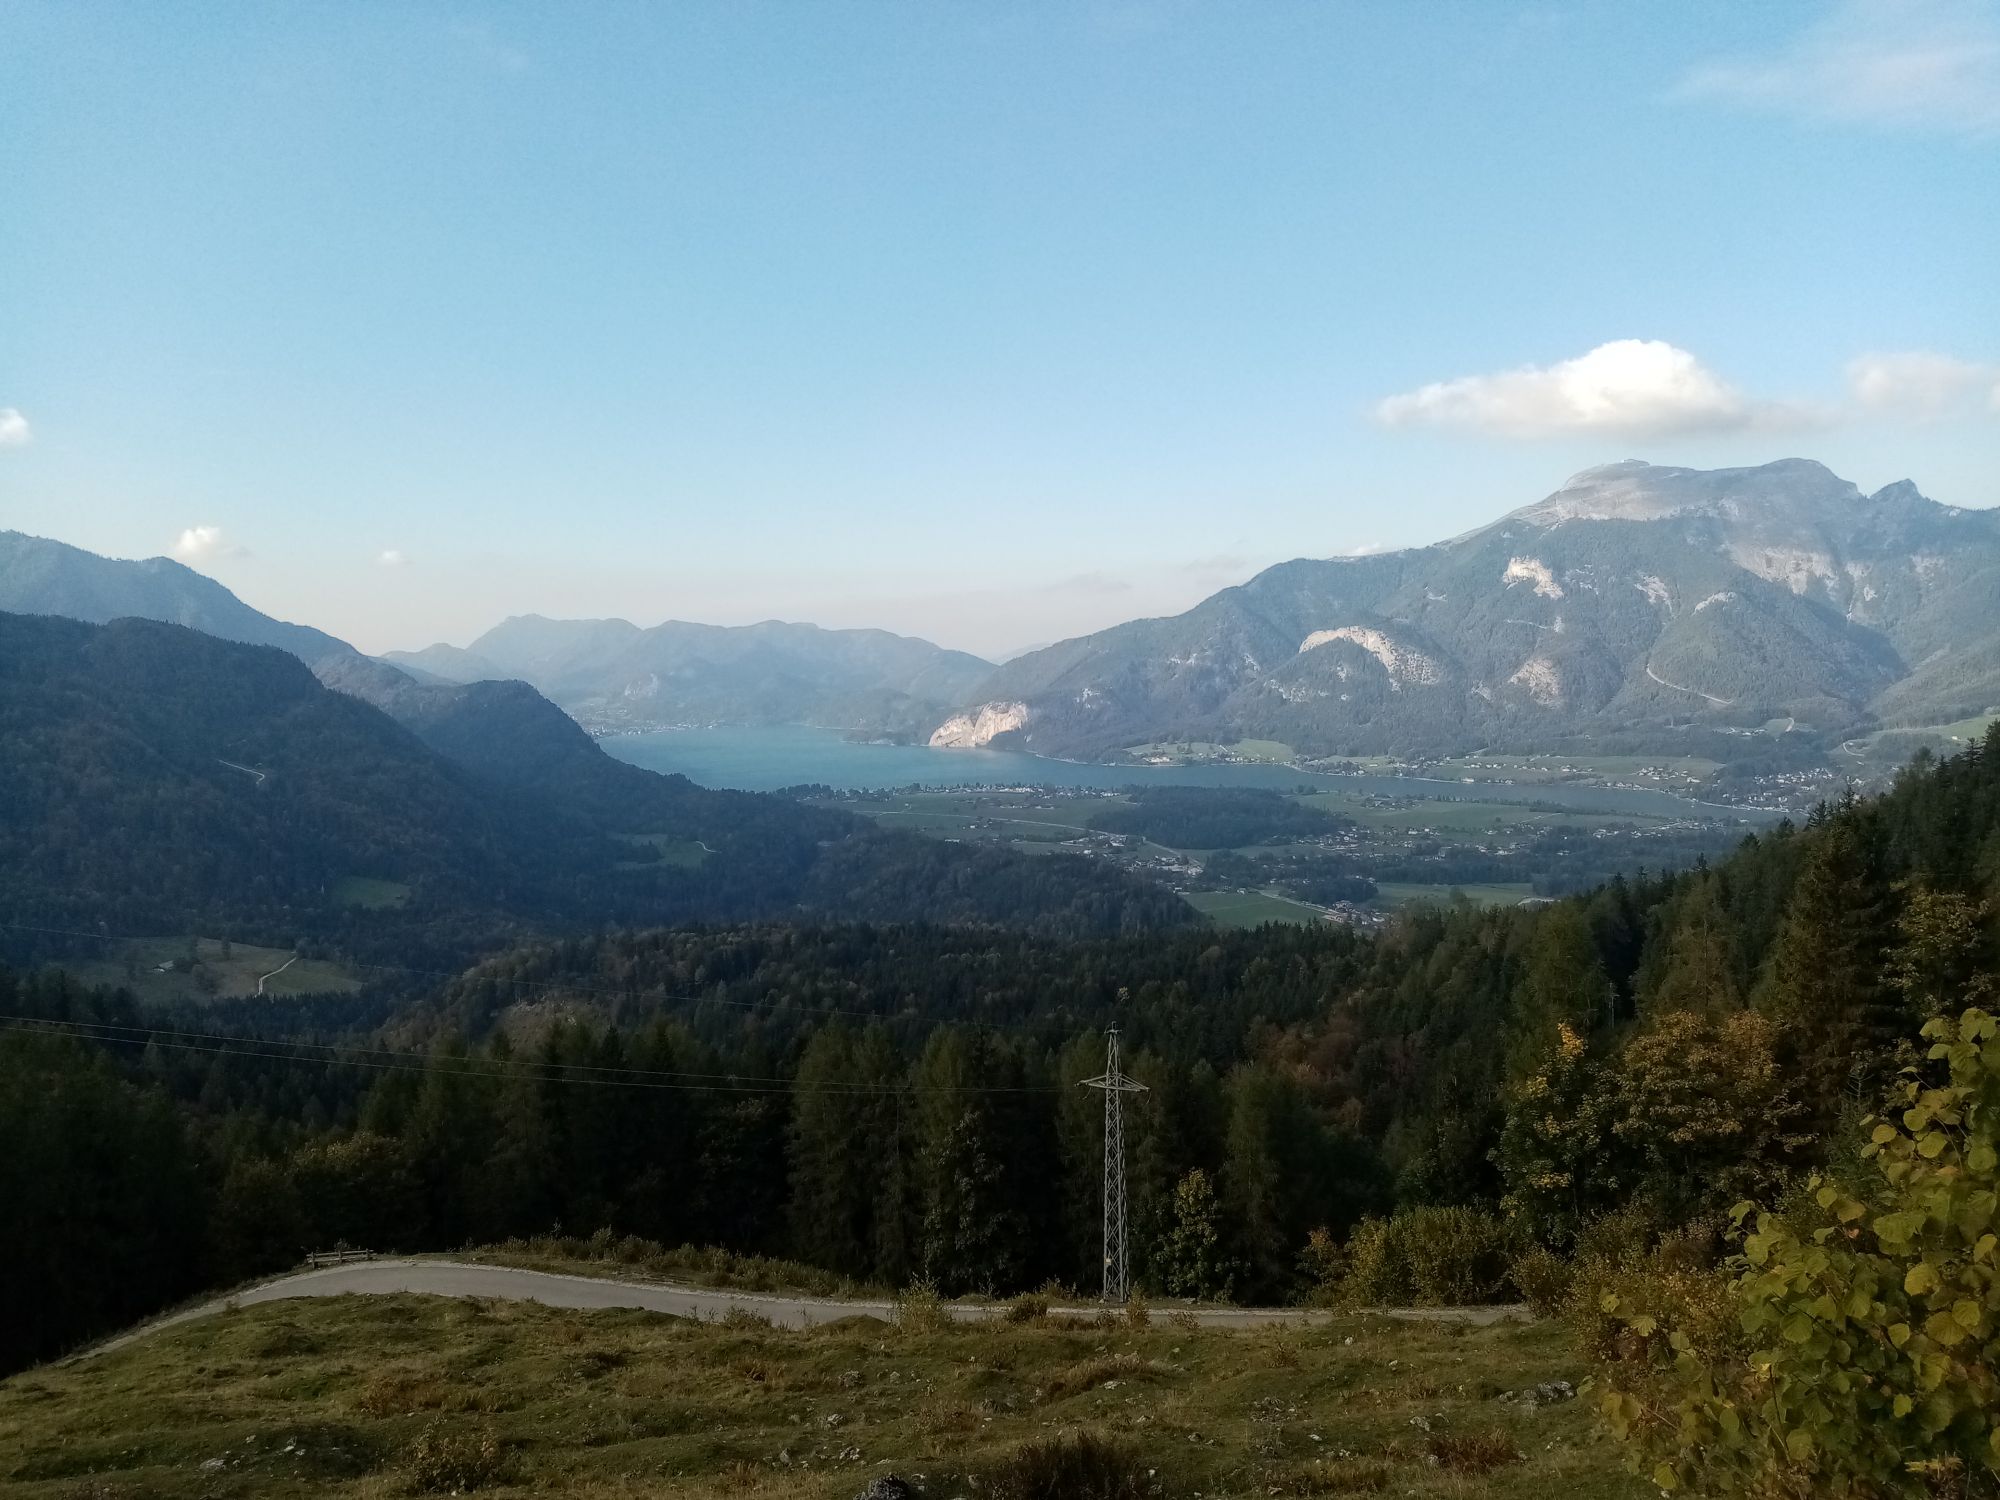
(1636, 607)
(613, 674)
(164, 781)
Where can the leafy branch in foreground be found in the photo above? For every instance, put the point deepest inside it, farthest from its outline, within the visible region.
(1869, 1363)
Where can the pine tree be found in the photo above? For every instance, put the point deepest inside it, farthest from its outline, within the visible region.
(1562, 983)
(1825, 984)
(1699, 973)
(973, 1235)
(832, 1186)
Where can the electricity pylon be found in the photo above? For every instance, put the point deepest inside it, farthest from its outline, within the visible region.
(1115, 1086)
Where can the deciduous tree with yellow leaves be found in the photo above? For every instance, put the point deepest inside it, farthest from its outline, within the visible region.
(1870, 1365)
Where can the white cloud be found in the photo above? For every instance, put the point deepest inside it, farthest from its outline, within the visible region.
(390, 557)
(1920, 384)
(1911, 64)
(202, 544)
(1632, 387)
(14, 429)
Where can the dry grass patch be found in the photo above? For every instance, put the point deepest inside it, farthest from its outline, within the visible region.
(1076, 1466)
(1473, 1452)
(616, 1404)
(450, 1460)
(1088, 1374)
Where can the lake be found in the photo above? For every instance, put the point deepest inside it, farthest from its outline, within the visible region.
(764, 759)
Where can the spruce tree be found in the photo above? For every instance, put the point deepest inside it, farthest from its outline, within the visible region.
(1699, 971)
(1562, 983)
(1826, 984)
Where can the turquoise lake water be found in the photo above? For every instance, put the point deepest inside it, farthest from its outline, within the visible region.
(764, 759)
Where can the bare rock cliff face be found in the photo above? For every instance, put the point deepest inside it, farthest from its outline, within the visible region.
(977, 728)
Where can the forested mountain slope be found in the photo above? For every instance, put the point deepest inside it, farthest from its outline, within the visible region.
(163, 781)
(1638, 606)
(889, 1101)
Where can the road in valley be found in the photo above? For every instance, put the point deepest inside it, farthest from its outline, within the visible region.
(453, 1278)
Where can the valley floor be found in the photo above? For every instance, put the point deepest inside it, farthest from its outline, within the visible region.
(394, 1395)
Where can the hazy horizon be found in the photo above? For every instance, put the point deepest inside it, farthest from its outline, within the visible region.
(991, 326)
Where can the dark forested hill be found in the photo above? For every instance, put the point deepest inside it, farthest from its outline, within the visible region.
(1655, 606)
(162, 781)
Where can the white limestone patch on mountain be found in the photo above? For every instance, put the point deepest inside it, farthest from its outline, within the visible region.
(1656, 591)
(1797, 568)
(1532, 570)
(979, 727)
(1404, 664)
(1539, 678)
(1722, 598)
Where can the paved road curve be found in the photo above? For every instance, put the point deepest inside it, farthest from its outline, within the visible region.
(453, 1278)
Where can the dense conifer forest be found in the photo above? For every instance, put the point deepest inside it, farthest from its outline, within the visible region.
(893, 1102)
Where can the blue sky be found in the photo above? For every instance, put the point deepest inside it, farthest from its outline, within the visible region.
(991, 323)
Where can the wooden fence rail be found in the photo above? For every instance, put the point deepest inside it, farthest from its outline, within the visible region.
(318, 1258)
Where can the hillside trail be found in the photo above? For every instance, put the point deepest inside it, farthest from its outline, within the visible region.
(454, 1278)
(275, 972)
(1697, 692)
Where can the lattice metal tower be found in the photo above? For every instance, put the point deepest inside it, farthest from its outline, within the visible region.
(1115, 1086)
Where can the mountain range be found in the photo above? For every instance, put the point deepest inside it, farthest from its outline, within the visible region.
(1637, 607)
(611, 674)
(176, 761)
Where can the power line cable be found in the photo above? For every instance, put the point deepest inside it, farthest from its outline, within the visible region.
(384, 1060)
(472, 974)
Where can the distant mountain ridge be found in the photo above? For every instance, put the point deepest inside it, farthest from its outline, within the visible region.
(614, 674)
(1638, 604)
(162, 780)
(44, 577)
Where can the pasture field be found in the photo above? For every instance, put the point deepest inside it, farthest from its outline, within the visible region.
(1250, 908)
(1676, 773)
(1895, 745)
(369, 894)
(365, 1397)
(1275, 752)
(1024, 817)
(687, 853)
(1395, 893)
(1459, 817)
(135, 965)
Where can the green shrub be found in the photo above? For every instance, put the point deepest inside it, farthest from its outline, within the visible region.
(1869, 1354)
(1432, 1257)
(1029, 1307)
(1322, 1265)
(1377, 1274)
(1137, 1313)
(921, 1309)
(1543, 1279)
(1606, 1300)
(1458, 1256)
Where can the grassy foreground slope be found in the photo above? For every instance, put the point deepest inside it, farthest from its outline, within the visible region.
(378, 1396)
